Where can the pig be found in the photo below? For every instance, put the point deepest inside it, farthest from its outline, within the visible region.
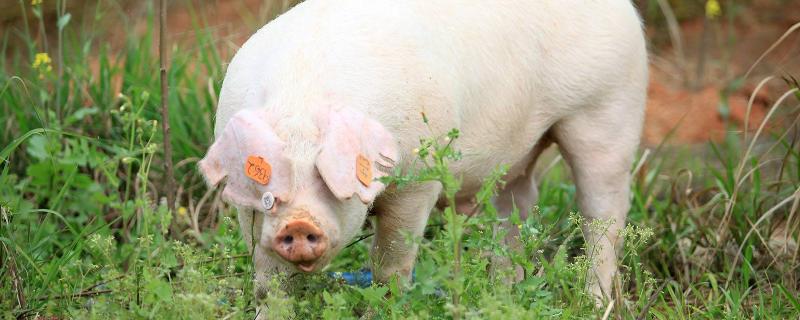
(326, 99)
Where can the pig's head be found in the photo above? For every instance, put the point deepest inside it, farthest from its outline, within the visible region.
(312, 179)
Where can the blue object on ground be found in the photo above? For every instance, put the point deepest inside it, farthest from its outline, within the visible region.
(361, 278)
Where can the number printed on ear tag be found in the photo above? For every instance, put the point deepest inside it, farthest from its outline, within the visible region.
(363, 170)
(268, 200)
(258, 169)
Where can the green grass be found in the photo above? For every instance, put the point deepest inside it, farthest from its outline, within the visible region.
(84, 232)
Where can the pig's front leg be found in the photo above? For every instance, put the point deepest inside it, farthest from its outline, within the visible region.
(400, 213)
(265, 266)
(250, 227)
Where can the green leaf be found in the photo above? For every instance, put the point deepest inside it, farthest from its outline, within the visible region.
(169, 260)
(14, 144)
(160, 289)
(80, 114)
(37, 147)
(63, 20)
(374, 295)
(792, 298)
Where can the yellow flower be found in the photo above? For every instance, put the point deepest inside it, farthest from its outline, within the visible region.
(36, 2)
(42, 58)
(42, 63)
(713, 9)
(182, 211)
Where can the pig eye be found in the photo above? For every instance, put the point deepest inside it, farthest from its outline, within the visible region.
(267, 201)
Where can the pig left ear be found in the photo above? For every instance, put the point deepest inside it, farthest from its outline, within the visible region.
(355, 151)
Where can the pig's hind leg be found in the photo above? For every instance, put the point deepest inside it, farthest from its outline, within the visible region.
(522, 194)
(598, 143)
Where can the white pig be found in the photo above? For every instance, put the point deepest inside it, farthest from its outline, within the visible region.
(327, 98)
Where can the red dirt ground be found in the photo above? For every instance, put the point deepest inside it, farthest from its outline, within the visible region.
(695, 114)
(677, 100)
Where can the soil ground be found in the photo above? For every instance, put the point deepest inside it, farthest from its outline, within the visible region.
(685, 105)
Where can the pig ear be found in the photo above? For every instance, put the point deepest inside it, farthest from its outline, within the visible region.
(355, 151)
(212, 166)
(247, 134)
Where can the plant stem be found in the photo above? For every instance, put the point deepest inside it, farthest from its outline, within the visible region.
(61, 7)
(675, 37)
(16, 282)
(456, 256)
(457, 273)
(701, 56)
(164, 110)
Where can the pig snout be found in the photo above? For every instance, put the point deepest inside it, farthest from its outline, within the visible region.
(301, 242)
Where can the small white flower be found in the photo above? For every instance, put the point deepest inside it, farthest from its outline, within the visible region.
(151, 148)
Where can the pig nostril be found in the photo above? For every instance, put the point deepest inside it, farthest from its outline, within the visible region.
(288, 239)
(311, 238)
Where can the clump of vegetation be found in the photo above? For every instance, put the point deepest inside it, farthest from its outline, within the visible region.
(84, 232)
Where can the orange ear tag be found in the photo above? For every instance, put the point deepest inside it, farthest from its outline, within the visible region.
(363, 170)
(258, 169)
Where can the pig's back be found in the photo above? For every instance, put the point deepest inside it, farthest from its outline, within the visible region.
(502, 72)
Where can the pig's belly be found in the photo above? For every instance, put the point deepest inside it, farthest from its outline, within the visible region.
(482, 155)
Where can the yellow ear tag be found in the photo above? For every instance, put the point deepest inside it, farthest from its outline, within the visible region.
(258, 169)
(363, 170)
